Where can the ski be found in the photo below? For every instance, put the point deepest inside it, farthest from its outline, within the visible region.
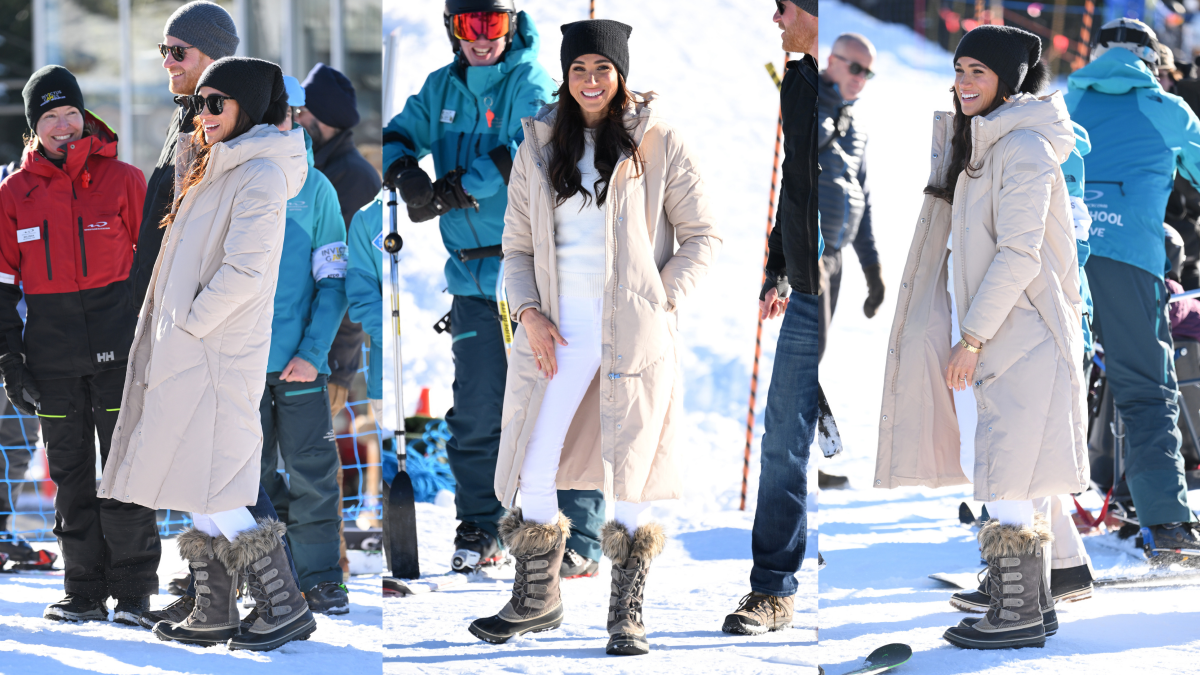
(1151, 579)
(828, 437)
(393, 587)
(966, 580)
(883, 659)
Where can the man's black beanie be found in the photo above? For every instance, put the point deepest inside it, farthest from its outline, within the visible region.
(256, 85)
(607, 38)
(1009, 51)
(48, 88)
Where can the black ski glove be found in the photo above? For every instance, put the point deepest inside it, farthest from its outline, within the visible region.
(410, 181)
(875, 289)
(777, 280)
(448, 195)
(19, 384)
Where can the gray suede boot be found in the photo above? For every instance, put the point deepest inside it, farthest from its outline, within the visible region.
(536, 603)
(282, 615)
(631, 557)
(1018, 583)
(214, 614)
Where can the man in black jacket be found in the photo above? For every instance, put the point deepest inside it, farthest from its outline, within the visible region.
(781, 522)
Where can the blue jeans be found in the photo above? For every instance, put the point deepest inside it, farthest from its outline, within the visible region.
(781, 520)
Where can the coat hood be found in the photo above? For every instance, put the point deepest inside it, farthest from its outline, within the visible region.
(1046, 115)
(264, 141)
(1116, 71)
(639, 115)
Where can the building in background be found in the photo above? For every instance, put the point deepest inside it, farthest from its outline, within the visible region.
(111, 46)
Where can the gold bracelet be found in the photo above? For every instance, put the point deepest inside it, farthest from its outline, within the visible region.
(967, 346)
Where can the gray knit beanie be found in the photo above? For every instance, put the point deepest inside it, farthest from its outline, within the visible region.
(206, 26)
(809, 6)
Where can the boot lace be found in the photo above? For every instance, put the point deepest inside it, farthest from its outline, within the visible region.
(260, 591)
(520, 589)
(762, 605)
(631, 586)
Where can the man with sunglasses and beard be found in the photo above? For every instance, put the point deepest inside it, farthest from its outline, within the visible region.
(468, 116)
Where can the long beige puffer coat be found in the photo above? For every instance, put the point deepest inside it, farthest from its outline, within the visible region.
(189, 434)
(621, 440)
(1017, 286)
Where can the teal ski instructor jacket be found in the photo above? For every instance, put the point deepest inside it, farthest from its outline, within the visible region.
(1140, 135)
(310, 299)
(364, 285)
(471, 118)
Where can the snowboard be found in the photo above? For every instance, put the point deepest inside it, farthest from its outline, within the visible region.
(883, 659)
(965, 579)
(829, 439)
(393, 587)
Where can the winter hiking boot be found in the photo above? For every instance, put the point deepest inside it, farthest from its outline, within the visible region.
(536, 603)
(23, 556)
(76, 607)
(1070, 584)
(828, 481)
(758, 613)
(213, 618)
(575, 565)
(1172, 543)
(129, 610)
(282, 612)
(328, 597)
(1017, 572)
(173, 613)
(474, 548)
(631, 558)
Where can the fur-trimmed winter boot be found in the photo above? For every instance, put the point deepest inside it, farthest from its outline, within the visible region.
(631, 557)
(536, 603)
(1018, 584)
(1046, 599)
(214, 615)
(282, 615)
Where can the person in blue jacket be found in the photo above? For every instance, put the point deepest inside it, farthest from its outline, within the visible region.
(1140, 136)
(309, 305)
(468, 116)
(364, 290)
(1073, 175)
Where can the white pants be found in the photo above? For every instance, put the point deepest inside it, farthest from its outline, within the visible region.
(579, 323)
(229, 523)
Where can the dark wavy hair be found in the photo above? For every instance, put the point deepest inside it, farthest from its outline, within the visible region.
(567, 145)
(960, 143)
(199, 164)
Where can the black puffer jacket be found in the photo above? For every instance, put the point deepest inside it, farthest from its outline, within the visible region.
(845, 202)
(794, 240)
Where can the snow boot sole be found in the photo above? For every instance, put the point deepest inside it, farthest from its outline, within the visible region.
(969, 638)
(58, 614)
(497, 631)
(1049, 620)
(623, 644)
(737, 627)
(128, 618)
(192, 637)
(300, 629)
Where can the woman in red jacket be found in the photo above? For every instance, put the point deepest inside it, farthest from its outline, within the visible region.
(68, 227)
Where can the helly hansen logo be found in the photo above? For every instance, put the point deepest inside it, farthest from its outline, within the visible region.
(106, 356)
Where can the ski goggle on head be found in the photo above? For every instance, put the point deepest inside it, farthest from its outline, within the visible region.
(480, 25)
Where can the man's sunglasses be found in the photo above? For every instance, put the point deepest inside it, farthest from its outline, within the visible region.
(215, 103)
(779, 6)
(177, 52)
(855, 67)
(474, 26)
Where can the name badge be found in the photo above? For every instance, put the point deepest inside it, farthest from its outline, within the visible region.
(29, 234)
(448, 116)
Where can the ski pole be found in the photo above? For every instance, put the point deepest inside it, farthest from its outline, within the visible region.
(758, 330)
(592, 9)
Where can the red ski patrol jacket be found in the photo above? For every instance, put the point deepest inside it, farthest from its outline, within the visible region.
(67, 237)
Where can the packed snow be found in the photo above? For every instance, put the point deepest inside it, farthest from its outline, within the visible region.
(881, 545)
(707, 64)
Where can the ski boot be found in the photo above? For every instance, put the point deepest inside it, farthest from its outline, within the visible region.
(282, 612)
(328, 597)
(828, 481)
(758, 613)
(1070, 584)
(213, 618)
(129, 610)
(1172, 543)
(474, 548)
(536, 603)
(575, 566)
(76, 607)
(23, 556)
(179, 585)
(631, 557)
(173, 613)
(1017, 577)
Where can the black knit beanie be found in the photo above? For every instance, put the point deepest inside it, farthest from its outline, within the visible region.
(256, 85)
(48, 88)
(809, 6)
(609, 39)
(1011, 52)
(329, 96)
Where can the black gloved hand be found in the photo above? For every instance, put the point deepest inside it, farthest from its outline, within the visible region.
(19, 384)
(410, 181)
(448, 195)
(875, 289)
(777, 280)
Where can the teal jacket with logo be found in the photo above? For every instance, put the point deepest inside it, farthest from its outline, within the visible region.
(364, 285)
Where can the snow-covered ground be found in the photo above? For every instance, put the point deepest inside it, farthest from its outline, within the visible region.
(880, 545)
(706, 61)
(30, 644)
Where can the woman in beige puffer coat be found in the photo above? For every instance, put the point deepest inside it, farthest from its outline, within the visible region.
(189, 434)
(997, 199)
(600, 192)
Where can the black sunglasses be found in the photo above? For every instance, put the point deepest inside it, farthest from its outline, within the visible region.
(855, 67)
(177, 52)
(779, 6)
(215, 102)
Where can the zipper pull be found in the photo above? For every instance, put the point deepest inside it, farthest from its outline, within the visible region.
(489, 115)
(85, 178)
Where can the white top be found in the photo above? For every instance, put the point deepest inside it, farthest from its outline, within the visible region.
(579, 234)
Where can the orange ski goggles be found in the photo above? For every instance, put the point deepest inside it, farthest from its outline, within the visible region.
(473, 26)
